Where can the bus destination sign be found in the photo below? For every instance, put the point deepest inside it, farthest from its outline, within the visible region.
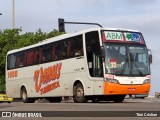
(119, 36)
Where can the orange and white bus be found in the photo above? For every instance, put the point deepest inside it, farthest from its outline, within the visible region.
(96, 64)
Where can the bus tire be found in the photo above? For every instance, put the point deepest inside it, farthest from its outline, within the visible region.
(118, 99)
(78, 94)
(25, 98)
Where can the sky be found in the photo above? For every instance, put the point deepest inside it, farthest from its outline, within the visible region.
(142, 15)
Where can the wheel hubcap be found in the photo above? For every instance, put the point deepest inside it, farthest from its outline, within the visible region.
(24, 96)
(79, 92)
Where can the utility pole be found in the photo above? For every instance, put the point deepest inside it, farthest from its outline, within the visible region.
(0, 13)
(13, 15)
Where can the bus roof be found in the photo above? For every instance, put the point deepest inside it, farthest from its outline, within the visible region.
(64, 36)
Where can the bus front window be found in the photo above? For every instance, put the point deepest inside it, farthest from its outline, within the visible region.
(126, 60)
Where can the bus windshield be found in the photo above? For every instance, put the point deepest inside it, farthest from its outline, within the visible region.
(126, 59)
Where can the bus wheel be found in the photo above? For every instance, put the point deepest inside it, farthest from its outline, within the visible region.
(55, 99)
(118, 99)
(78, 94)
(25, 98)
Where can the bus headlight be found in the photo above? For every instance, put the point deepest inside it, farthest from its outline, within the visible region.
(147, 81)
(112, 80)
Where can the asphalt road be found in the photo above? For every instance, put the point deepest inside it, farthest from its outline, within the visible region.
(93, 110)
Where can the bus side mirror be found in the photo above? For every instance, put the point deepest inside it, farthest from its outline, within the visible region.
(102, 52)
(150, 56)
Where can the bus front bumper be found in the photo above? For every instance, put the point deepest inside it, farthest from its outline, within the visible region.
(117, 89)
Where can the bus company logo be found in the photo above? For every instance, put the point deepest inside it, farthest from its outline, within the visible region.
(13, 74)
(45, 77)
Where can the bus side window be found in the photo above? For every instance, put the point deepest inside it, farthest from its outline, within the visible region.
(30, 57)
(46, 53)
(54, 53)
(57, 50)
(71, 48)
(76, 46)
(36, 56)
(11, 61)
(69, 52)
(21, 59)
(64, 46)
(79, 46)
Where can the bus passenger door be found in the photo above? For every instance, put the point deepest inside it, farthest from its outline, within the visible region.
(94, 60)
(93, 52)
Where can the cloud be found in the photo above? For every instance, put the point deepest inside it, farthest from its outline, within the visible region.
(138, 2)
(147, 23)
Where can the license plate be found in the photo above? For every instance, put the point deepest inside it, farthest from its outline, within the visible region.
(131, 89)
(5, 98)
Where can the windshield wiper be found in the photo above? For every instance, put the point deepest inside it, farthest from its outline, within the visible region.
(129, 61)
(138, 69)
